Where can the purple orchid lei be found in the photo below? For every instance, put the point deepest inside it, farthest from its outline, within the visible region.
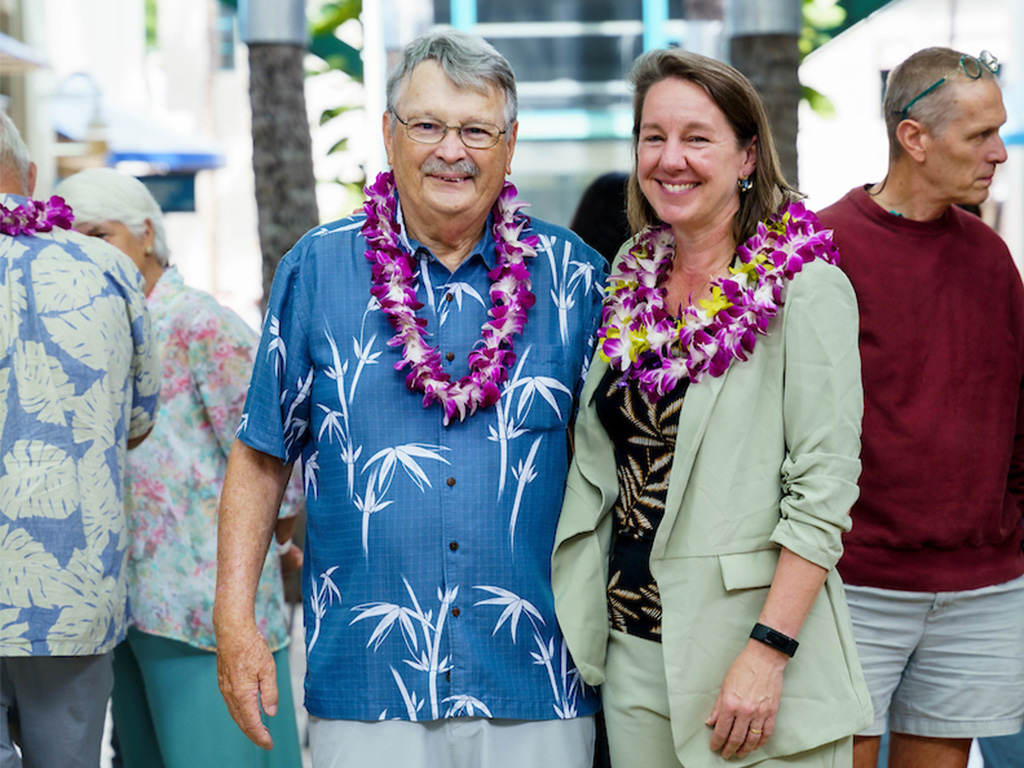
(639, 337)
(394, 274)
(35, 216)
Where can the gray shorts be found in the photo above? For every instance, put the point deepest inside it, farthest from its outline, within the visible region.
(942, 664)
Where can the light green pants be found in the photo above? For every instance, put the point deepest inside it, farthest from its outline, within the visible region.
(636, 713)
(168, 711)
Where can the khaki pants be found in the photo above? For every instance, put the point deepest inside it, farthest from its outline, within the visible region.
(636, 712)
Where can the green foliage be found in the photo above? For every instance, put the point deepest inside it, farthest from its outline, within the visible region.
(821, 19)
(151, 31)
(338, 56)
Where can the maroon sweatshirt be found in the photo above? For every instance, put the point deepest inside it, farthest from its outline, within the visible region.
(942, 355)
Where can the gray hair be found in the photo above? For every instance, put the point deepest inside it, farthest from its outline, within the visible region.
(13, 152)
(909, 79)
(468, 61)
(103, 194)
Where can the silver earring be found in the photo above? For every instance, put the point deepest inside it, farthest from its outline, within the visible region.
(745, 185)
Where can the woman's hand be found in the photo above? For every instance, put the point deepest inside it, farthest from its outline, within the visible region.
(744, 714)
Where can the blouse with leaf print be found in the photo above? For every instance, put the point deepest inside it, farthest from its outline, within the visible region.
(427, 574)
(174, 478)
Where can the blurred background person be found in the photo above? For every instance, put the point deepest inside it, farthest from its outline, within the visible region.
(600, 217)
(166, 704)
(716, 451)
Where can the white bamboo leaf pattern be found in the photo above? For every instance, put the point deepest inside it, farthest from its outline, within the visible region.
(369, 504)
(515, 607)
(321, 597)
(525, 473)
(310, 467)
(466, 706)
(276, 348)
(429, 660)
(405, 455)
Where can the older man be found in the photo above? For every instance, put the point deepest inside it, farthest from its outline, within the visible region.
(422, 360)
(79, 381)
(934, 564)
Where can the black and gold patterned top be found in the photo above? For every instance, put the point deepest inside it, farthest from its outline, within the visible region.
(644, 436)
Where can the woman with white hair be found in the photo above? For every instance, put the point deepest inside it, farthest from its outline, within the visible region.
(166, 704)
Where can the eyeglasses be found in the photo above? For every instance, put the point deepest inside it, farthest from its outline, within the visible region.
(428, 130)
(971, 66)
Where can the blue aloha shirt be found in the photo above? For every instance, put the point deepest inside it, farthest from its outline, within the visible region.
(79, 376)
(426, 582)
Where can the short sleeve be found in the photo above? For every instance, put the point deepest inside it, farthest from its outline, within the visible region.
(221, 350)
(145, 368)
(277, 407)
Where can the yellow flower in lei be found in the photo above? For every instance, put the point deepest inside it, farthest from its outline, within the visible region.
(716, 303)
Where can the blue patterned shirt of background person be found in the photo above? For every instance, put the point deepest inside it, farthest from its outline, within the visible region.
(79, 376)
(427, 573)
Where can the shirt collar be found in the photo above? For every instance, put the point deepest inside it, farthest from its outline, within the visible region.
(485, 247)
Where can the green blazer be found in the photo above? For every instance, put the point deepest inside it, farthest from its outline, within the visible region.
(767, 456)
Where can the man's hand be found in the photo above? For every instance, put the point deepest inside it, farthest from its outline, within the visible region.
(744, 714)
(247, 677)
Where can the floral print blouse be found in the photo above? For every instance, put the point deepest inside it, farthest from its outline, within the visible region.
(174, 478)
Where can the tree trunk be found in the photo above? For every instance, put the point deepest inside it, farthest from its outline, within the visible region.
(771, 62)
(282, 153)
(702, 10)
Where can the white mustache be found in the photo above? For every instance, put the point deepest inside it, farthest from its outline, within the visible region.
(464, 167)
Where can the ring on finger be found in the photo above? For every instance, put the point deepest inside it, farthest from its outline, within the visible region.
(756, 731)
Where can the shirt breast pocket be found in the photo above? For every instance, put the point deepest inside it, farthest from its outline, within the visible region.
(539, 393)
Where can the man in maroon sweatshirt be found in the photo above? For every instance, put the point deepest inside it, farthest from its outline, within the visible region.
(934, 562)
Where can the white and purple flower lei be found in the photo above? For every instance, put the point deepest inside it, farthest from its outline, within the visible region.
(34, 216)
(639, 337)
(394, 274)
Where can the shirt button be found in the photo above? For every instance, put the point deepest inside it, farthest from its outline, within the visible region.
(450, 356)
(456, 611)
(451, 481)
(449, 297)
(453, 546)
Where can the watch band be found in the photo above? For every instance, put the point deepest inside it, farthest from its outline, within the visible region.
(774, 639)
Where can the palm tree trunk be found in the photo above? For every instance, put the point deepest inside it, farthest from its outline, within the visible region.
(771, 62)
(282, 155)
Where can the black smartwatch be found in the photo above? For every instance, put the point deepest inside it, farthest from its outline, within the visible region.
(774, 639)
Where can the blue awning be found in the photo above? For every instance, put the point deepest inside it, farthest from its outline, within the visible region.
(16, 57)
(130, 135)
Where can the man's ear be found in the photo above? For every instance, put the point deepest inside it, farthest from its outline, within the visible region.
(385, 123)
(32, 171)
(912, 136)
